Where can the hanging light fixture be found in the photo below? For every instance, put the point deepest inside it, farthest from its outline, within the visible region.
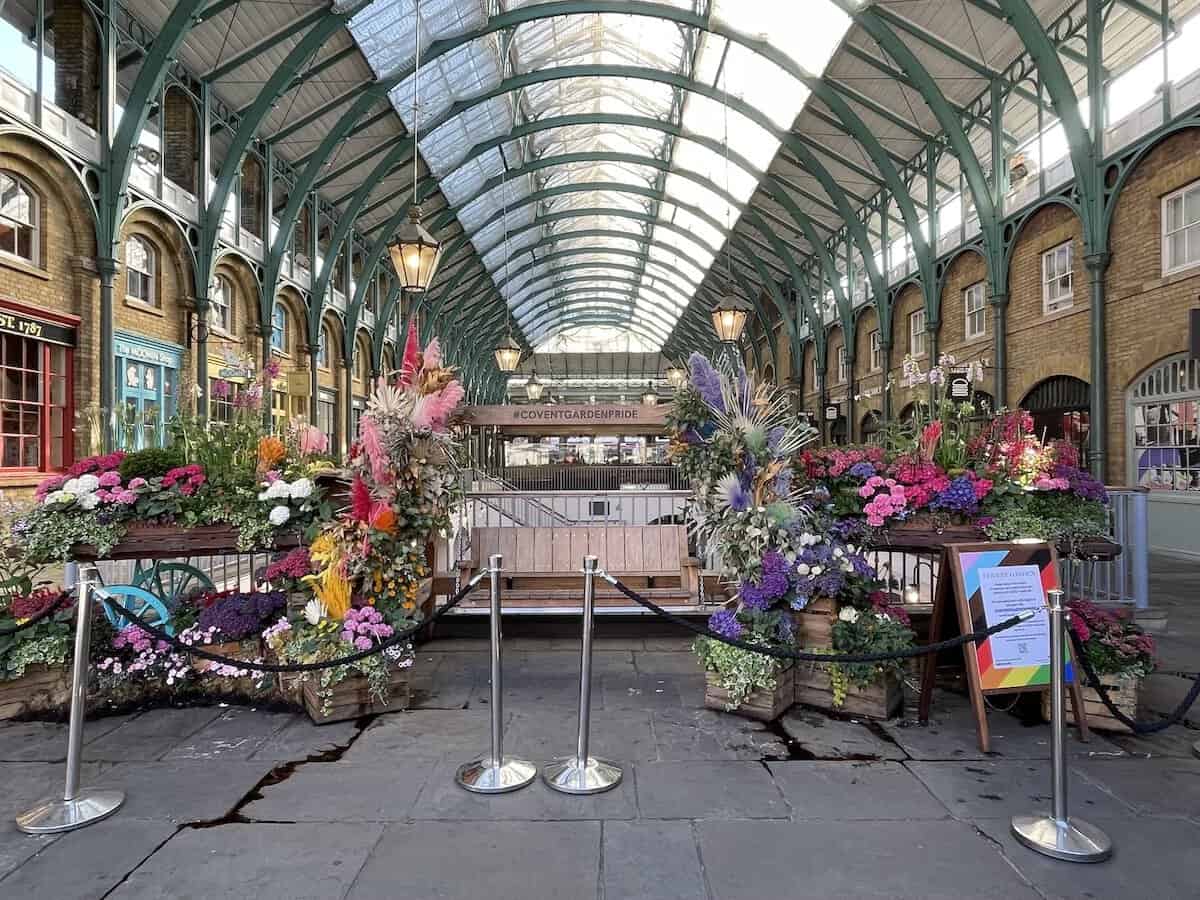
(508, 355)
(415, 252)
(730, 314)
(676, 376)
(650, 398)
(534, 388)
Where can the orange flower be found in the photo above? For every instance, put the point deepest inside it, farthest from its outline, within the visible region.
(270, 452)
(383, 518)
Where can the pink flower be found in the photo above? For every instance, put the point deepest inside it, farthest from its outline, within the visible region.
(311, 440)
(110, 479)
(865, 491)
(272, 369)
(362, 643)
(125, 497)
(136, 483)
(221, 388)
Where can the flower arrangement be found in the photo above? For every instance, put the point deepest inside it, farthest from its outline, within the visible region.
(877, 628)
(47, 643)
(237, 615)
(288, 571)
(1113, 646)
(133, 651)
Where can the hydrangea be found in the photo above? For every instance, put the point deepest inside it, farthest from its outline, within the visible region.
(240, 615)
(772, 584)
(862, 470)
(726, 624)
(958, 496)
(279, 515)
(301, 489)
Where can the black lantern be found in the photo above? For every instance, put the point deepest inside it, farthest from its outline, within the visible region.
(650, 398)
(415, 254)
(534, 388)
(729, 318)
(508, 355)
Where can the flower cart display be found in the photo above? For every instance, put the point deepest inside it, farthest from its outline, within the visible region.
(34, 672)
(1120, 654)
(793, 565)
(369, 572)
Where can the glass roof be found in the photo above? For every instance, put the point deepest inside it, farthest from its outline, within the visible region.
(611, 166)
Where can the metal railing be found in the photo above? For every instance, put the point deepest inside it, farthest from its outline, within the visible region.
(586, 477)
(1125, 579)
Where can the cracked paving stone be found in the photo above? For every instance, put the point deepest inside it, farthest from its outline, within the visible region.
(824, 737)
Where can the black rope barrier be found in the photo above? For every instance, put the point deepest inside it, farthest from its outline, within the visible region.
(398, 638)
(1176, 715)
(803, 656)
(39, 618)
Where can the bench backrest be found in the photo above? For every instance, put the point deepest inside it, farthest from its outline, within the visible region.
(621, 549)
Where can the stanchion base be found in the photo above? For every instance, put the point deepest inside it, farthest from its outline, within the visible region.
(55, 814)
(566, 775)
(1073, 840)
(482, 776)
(1196, 749)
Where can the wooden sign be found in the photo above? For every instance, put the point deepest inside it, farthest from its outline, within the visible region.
(985, 584)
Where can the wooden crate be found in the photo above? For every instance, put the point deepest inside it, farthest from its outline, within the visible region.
(352, 697)
(146, 541)
(766, 706)
(40, 689)
(1124, 692)
(249, 649)
(814, 625)
(879, 701)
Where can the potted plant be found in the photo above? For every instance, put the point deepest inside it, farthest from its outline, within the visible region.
(230, 623)
(34, 670)
(1120, 654)
(736, 680)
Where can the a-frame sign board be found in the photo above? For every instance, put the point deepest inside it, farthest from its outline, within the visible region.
(979, 586)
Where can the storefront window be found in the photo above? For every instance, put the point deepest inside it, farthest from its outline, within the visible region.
(357, 407)
(18, 219)
(1163, 412)
(327, 416)
(35, 404)
(147, 383)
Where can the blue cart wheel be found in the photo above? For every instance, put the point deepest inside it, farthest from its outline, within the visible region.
(172, 582)
(138, 601)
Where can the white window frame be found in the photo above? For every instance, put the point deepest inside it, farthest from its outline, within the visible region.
(841, 365)
(816, 370)
(1190, 230)
(916, 333)
(974, 311)
(323, 339)
(149, 273)
(1058, 284)
(221, 321)
(876, 343)
(284, 326)
(17, 224)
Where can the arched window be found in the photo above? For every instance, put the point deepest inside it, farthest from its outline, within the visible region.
(220, 299)
(323, 347)
(141, 265)
(362, 364)
(1060, 407)
(281, 338)
(18, 219)
(1165, 440)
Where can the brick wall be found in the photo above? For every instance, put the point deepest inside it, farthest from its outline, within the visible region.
(252, 196)
(180, 140)
(76, 61)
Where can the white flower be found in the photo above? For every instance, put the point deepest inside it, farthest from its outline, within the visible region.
(58, 497)
(279, 515)
(301, 489)
(315, 611)
(817, 570)
(838, 552)
(278, 490)
(808, 539)
(87, 484)
(848, 614)
(88, 501)
(802, 569)
(71, 486)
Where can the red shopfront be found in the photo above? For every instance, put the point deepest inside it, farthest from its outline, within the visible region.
(37, 406)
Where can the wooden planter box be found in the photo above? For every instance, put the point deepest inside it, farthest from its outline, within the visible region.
(248, 649)
(923, 534)
(352, 697)
(814, 624)
(879, 701)
(766, 706)
(40, 689)
(147, 541)
(1124, 692)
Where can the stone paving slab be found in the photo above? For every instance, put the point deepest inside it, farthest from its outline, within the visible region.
(1152, 858)
(88, 863)
(476, 860)
(854, 791)
(705, 734)
(264, 862)
(855, 861)
(181, 791)
(47, 741)
(151, 734)
(825, 737)
(991, 789)
(667, 663)
(382, 791)
(301, 739)
(442, 798)
(625, 736)
(237, 733)
(708, 790)
(651, 861)
(1152, 787)
(1175, 742)
(643, 692)
(425, 734)
(953, 737)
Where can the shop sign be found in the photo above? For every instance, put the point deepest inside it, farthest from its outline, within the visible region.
(299, 383)
(959, 386)
(235, 373)
(560, 415)
(27, 326)
(831, 412)
(145, 351)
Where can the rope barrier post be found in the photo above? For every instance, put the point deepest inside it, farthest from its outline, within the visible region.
(1058, 835)
(493, 773)
(583, 773)
(77, 806)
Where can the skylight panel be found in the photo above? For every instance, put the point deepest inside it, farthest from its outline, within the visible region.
(447, 145)
(385, 29)
(466, 71)
(477, 211)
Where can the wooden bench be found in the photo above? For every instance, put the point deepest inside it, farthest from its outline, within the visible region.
(543, 566)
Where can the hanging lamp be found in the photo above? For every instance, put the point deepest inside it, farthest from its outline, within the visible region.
(508, 355)
(650, 398)
(676, 376)
(731, 312)
(415, 252)
(534, 388)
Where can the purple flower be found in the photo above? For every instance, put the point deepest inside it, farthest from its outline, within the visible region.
(362, 643)
(221, 389)
(239, 615)
(862, 470)
(706, 381)
(772, 584)
(959, 496)
(1082, 483)
(733, 492)
(774, 436)
(725, 623)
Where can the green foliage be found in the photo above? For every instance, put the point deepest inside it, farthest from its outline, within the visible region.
(150, 463)
(1047, 515)
(51, 650)
(739, 672)
(49, 534)
(688, 409)
(871, 632)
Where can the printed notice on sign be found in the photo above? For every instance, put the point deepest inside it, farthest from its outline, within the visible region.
(1007, 591)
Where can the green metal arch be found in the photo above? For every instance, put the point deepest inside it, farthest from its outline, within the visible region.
(601, 283)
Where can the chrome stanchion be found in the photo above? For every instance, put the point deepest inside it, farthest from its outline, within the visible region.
(1059, 835)
(77, 806)
(493, 773)
(583, 773)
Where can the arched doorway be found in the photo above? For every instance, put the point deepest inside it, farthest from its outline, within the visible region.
(1165, 440)
(871, 427)
(1059, 406)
